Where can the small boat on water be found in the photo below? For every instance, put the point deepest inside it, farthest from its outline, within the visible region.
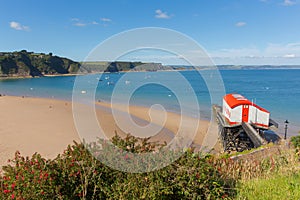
(127, 82)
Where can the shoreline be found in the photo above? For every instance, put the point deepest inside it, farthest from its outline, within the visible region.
(132, 71)
(160, 70)
(28, 77)
(46, 126)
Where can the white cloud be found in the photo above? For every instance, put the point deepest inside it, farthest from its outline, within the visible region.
(289, 56)
(235, 53)
(77, 22)
(18, 26)
(240, 24)
(288, 3)
(285, 51)
(105, 19)
(81, 23)
(272, 54)
(162, 15)
(283, 2)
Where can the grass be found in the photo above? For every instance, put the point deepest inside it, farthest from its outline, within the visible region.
(278, 186)
(253, 149)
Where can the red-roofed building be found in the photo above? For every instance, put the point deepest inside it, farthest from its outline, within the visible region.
(237, 109)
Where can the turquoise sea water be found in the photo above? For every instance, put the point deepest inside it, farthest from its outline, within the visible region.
(275, 90)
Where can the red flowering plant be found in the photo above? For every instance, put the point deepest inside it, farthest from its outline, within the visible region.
(76, 174)
(27, 178)
(79, 175)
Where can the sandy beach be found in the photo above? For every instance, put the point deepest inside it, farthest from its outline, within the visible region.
(46, 125)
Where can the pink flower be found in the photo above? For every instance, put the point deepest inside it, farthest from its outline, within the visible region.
(13, 185)
(6, 191)
(126, 156)
(13, 196)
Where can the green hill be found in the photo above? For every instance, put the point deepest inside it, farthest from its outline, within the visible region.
(120, 66)
(25, 63)
(30, 64)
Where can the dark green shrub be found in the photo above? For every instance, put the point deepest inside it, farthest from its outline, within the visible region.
(295, 140)
(75, 174)
(28, 178)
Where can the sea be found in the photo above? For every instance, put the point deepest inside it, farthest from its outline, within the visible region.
(190, 92)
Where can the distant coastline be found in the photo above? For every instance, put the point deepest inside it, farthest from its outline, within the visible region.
(187, 68)
(257, 67)
(23, 64)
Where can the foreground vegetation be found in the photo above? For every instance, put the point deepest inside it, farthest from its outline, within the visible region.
(277, 186)
(282, 184)
(75, 174)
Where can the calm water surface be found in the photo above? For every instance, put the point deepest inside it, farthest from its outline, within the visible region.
(275, 90)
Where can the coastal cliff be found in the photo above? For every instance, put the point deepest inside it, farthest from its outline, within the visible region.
(120, 66)
(32, 64)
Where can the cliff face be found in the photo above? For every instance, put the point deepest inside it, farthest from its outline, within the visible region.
(120, 66)
(25, 63)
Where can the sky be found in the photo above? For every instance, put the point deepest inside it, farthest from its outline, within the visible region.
(239, 32)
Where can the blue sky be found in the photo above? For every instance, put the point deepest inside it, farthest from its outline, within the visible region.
(231, 31)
